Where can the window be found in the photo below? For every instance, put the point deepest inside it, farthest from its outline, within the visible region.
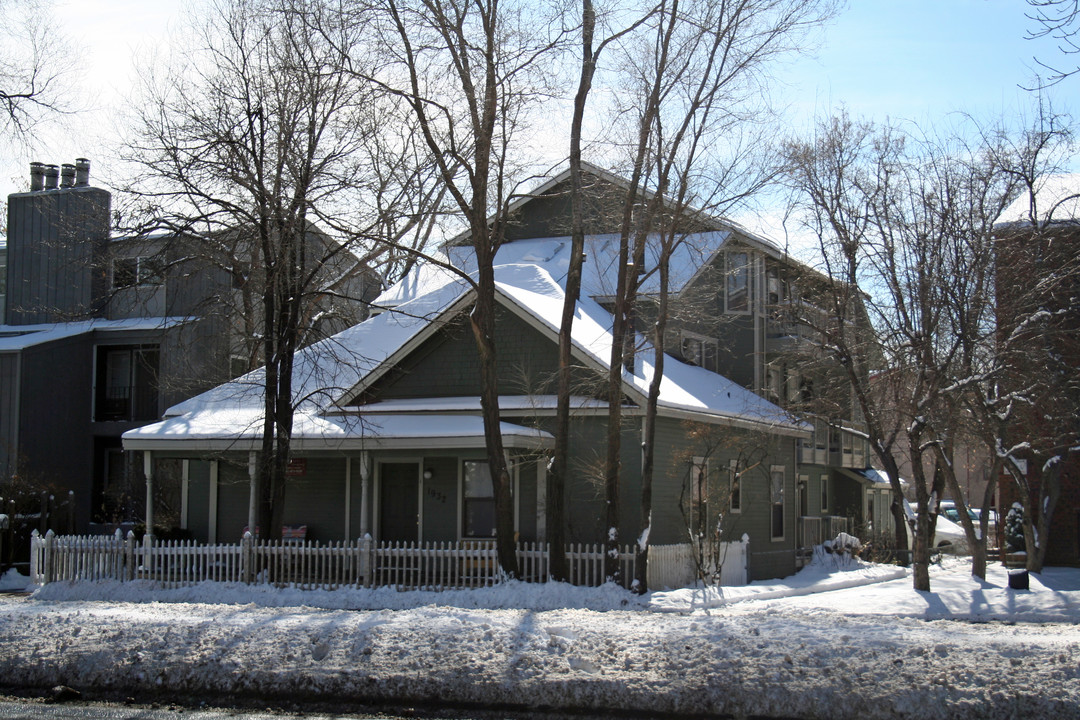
(699, 350)
(734, 487)
(479, 500)
(738, 282)
(824, 493)
(776, 496)
(132, 272)
(699, 492)
(126, 379)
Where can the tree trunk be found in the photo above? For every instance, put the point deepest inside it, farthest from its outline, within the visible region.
(483, 326)
(560, 461)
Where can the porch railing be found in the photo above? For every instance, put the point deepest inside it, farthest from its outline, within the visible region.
(309, 565)
(815, 530)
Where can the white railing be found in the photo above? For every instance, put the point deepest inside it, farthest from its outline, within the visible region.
(815, 530)
(360, 563)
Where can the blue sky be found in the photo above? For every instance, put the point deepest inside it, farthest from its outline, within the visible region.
(914, 60)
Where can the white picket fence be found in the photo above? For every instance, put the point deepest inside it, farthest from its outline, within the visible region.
(360, 563)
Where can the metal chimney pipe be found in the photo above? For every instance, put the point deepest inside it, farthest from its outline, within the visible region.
(52, 177)
(67, 175)
(37, 176)
(82, 172)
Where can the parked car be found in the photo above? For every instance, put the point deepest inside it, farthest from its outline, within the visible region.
(948, 536)
(948, 509)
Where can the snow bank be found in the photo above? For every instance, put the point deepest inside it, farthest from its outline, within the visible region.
(13, 580)
(827, 572)
(877, 651)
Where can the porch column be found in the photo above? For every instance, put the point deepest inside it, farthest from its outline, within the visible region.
(541, 499)
(185, 490)
(212, 533)
(348, 498)
(365, 479)
(253, 491)
(148, 472)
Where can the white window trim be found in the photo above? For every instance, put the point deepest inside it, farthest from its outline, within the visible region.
(704, 340)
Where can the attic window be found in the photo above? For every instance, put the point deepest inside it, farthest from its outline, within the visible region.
(699, 350)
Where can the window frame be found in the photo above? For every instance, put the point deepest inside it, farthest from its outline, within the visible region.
(823, 480)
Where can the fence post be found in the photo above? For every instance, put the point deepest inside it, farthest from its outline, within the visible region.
(35, 556)
(148, 554)
(129, 556)
(246, 558)
(117, 570)
(745, 558)
(50, 543)
(366, 563)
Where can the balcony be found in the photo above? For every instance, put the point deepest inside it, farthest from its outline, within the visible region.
(127, 403)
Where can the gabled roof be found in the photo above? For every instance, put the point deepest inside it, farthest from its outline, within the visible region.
(695, 252)
(330, 374)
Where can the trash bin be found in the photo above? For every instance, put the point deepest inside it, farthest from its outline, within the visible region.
(1018, 579)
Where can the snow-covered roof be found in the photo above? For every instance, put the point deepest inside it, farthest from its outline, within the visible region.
(1057, 199)
(328, 374)
(18, 337)
(598, 273)
(507, 404)
(241, 429)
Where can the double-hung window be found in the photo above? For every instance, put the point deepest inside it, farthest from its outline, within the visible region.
(738, 282)
(776, 496)
(479, 500)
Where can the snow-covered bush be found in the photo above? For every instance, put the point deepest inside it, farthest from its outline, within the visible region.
(1014, 529)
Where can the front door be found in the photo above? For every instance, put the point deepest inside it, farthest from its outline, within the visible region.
(399, 507)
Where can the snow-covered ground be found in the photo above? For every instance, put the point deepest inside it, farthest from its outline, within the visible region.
(829, 642)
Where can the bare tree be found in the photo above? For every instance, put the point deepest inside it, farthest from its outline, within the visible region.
(469, 73)
(247, 145)
(1058, 20)
(35, 67)
(693, 81)
(912, 219)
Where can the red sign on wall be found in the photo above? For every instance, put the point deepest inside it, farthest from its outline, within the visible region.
(297, 467)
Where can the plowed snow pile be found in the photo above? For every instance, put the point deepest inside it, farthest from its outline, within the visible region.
(822, 644)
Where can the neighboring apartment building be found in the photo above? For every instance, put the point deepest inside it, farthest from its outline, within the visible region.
(1039, 272)
(101, 334)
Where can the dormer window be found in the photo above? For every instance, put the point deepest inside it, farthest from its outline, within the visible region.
(700, 350)
(137, 271)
